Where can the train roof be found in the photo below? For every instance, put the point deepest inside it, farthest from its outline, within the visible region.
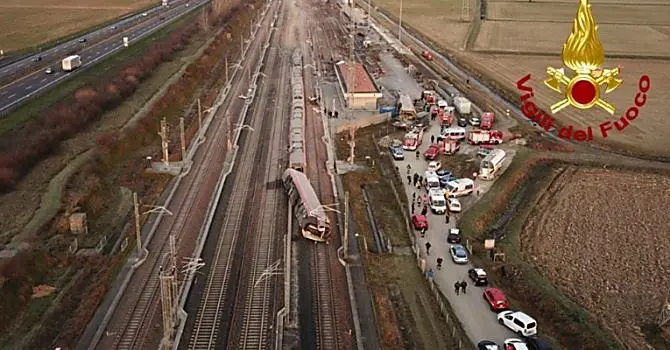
(309, 198)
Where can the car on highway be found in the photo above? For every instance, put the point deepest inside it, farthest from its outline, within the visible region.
(487, 345)
(37, 59)
(458, 254)
(82, 40)
(114, 27)
(454, 236)
(478, 277)
(420, 222)
(518, 322)
(48, 70)
(144, 14)
(496, 299)
(434, 166)
(396, 152)
(454, 205)
(514, 344)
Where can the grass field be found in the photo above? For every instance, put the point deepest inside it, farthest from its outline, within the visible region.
(29, 23)
(541, 27)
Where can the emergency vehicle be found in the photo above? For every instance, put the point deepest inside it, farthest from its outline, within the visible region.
(460, 187)
(412, 140)
(491, 164)
(432, 152)
(486, 137)
(438, 204)
(487, 120)
(450, 146)
(456, 133)
(429, 96)
(446, 116)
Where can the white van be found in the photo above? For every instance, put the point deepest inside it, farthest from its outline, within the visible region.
(438, 204)
(442, 104)
(518, 322)
(455, 133)
(432, 180)
(458, 188)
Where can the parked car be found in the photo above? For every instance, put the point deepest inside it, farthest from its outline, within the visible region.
(487, 345)
(462, 121)
(420, 222)
(397, 152)
(518, 322)
(82, 40)
(483, 152)
(458, 254)
(496, 299)
(48, 70)
(537, 343)
(434, 166)
(432, 152)
(454, 236)
(514, 344)
(454, 205)
(37, 59)
(114, 27)
(445, 176)
(478, 277)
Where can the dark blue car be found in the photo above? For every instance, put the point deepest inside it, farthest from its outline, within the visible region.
(445, 176)
(397, 152)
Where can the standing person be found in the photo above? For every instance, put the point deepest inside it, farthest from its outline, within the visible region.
(424, 211)
(428, 248)
(416, 178)
(423, 233)
(463, 286)
(432, 139)
(457, 287)
(446, 218)
(413, 196)
(418, 183)
(439, 263)
(409, 168)
(418, 154)
(413, 208)
(409, 180)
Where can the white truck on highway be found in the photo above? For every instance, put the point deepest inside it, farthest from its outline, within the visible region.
(463, 105)
(71, 63)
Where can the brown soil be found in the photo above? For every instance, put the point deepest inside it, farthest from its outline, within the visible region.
(613, 254)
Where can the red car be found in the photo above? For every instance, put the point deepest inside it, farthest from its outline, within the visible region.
(496, 299)
(420, 222)
(432, 152)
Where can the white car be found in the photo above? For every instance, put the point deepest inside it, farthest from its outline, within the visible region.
(434, 166)
(454, 205)
(515, 344)
(458, 254)
(518, 322)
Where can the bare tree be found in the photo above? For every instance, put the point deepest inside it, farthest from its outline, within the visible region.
(204, 19)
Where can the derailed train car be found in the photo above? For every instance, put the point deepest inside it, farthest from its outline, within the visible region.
(297, 157)
(307, 209)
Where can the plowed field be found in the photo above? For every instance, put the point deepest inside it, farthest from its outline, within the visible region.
(611, 230)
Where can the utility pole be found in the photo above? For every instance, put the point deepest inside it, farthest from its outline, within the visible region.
(346, 225)
(182, 137)
(226, 63)
(164, 141)
(199, 116)
(138, 229)
(351, 90)
(465, 11)
(169, 289)
(400, 24)
(229, 135)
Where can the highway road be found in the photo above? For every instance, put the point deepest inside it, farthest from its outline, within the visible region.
(25, 79)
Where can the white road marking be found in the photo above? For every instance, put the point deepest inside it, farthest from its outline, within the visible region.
(11, 96)
(43, 80)
(29, 87)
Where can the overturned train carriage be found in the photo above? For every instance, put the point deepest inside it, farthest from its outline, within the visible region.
(312, 219)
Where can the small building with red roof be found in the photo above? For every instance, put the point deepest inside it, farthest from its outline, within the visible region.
(357, 86)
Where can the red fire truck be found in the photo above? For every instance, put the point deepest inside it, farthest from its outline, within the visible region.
(427, 55)
(412, 140)
(430, 96)
(446, 115)
(450, 146)
(486, 137)
(487, 120)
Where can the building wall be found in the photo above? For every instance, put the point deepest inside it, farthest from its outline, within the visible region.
(368, 103)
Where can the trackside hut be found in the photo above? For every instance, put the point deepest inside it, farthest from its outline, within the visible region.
(361, 93)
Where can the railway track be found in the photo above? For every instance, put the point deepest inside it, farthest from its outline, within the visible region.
(330, 309)
(236, 308)
(131, 324)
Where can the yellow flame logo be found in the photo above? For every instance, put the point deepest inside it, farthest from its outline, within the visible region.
(583, 51)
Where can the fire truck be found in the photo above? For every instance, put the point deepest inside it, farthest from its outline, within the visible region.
(487, 120)
(446, 115)
(486, 137)
(412, 140)
(427, 55)
(429, 96)
(450, 146)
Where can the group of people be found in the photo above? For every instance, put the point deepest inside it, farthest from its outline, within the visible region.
(460, 286)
